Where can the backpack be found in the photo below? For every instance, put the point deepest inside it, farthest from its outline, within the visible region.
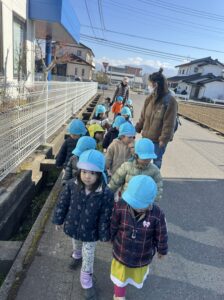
(166, 100)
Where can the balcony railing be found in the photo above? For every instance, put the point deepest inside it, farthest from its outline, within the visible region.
(30, 114)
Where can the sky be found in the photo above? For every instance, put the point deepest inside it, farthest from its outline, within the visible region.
(138, 23)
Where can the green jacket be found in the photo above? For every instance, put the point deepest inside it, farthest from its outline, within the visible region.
(129, 169)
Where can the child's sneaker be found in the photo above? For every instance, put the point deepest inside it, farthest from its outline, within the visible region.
(119, 298)
(75, 263)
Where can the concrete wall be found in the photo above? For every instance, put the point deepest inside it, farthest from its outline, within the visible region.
(18, 7)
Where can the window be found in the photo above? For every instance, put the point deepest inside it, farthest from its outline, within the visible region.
(76, 71)
(1, 41)
(195, 69)
(83, 72)
(183, 71)
(79, 53)
(19, 48)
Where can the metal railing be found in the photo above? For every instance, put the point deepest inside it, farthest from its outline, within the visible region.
(31, 113)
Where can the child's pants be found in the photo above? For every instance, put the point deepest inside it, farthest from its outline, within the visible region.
(119, 291)
(86, 250)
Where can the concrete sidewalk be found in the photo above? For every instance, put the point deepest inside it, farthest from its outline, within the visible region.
(193, 203)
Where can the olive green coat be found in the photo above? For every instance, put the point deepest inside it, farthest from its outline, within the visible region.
(129, 169)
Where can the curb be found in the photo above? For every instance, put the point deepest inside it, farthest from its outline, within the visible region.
(25, 257)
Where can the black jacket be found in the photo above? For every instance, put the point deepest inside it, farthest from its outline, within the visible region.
(85, 217)
(109, 137)
(66, 152)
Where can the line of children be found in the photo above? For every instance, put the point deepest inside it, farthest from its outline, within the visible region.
(137, 229)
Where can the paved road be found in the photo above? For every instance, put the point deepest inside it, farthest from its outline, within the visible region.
(193, 199)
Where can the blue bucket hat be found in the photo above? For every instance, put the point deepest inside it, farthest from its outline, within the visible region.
(92, 160)
(145, 149)
(119, 99)
(129, 102)
(77, 127)
(126, 111)
(100, 109)
(84, 143)
(127, 129)
(141, 192)
(119, 120)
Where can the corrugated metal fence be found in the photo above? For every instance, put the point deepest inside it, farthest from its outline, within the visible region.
(32, 113)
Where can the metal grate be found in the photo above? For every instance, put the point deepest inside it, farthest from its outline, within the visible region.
(32, 113)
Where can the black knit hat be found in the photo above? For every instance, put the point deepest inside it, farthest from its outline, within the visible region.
(157, 76)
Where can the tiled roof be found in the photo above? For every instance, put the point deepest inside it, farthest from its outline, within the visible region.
(204, 61)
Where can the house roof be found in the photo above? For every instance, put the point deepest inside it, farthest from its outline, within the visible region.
(204, 81)
(77, 59)
(84, 46)
(196, 78)
(183, 78)
(202, 62)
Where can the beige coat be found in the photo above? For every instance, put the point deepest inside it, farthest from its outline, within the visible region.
(117, 154)
(157, 121)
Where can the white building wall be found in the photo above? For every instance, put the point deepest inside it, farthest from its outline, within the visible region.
(213, 90)
(194, 69)
(87, 73)
(20, 8)
(182, 86)
(215, 70)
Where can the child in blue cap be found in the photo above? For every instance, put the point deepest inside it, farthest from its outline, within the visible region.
(84, 143)
(117, 106)
(138, 231)
(118, 152)
(126, 113)
(113, 131)
(76, 130)
(100, 117)
(140, 164)
(129, 104)
(85, 208)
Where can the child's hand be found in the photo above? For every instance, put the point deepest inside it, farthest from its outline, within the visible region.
(58, 227)
(160, 256)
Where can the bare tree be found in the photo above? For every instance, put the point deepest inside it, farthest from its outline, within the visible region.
(57, 58)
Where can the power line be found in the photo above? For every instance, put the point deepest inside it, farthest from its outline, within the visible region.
(134, 49)
(184, 10)
(157, 40)
(101, 17)
(87, 9)
(166, 18)
(101, 14)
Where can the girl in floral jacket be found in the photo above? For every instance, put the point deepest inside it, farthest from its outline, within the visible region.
(85, 208)
(138, 231)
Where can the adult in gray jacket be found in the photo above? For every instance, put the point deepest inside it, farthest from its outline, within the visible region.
(122, 90)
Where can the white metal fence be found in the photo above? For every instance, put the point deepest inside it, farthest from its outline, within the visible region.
(32, 113)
